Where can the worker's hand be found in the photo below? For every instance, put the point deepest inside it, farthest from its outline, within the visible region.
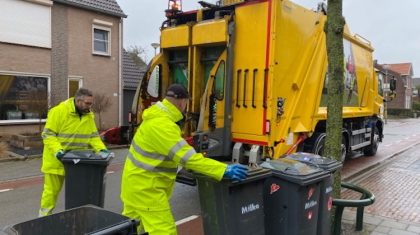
(60, 154)
(104, 153)
(236, 172)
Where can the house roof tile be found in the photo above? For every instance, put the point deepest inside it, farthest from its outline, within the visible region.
(131, 72)
(106, 6)
(401, 68)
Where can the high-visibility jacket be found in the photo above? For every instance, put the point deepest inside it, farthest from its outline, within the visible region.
(154, 156)
(66, 129)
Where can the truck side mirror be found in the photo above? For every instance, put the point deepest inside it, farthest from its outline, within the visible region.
(393, 84)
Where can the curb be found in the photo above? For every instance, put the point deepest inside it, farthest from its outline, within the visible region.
(18, 157)
(361, 173)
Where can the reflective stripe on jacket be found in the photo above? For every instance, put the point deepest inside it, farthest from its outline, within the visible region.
(156, 151)
(66, 129)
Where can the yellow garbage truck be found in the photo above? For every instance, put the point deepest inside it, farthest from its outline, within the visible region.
(257, 75)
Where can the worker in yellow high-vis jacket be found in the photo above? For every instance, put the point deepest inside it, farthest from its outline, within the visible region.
(150, 169)
(70, 126)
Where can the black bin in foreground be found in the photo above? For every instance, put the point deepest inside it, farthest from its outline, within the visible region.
(326, 197)
(232, 208)
(291, 197)
(82, 220)
(85, 178)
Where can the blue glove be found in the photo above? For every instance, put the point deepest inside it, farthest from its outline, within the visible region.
(60, 154)
(104, 150)
(236, 172)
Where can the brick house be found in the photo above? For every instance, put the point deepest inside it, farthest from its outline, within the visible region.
(403, 73)
(50, 48)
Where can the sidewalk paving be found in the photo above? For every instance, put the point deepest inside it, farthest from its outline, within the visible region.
(377, 225)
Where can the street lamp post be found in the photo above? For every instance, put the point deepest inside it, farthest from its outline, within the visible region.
(155, 46)
(387, 93)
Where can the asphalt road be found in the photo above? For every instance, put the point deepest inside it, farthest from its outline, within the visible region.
(21, 187)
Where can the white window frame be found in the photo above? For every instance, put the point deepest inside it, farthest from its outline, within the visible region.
(108, 29)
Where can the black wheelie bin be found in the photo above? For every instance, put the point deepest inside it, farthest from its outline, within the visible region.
(85, 178)
(292, 197)
(81, 220)
(232, 208)
(326, 197)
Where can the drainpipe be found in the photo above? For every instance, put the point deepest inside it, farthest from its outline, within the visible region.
(120, 38)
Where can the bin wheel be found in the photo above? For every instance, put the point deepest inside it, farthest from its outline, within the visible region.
(371, 149)
(319, 143)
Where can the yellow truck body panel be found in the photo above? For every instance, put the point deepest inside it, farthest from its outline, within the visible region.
(257, 74)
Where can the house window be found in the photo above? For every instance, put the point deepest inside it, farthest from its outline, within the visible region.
(101, 40)
(23, 97)
(74, 84)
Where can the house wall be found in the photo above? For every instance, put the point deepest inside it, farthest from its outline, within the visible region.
(70, 55)
(399, 101)
(73, 57)
(59, 58)
(21, 128)
(100, 73)
(24, 59)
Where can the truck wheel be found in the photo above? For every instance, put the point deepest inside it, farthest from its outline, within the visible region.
(319, 144)
(343, 149)
(371, 149)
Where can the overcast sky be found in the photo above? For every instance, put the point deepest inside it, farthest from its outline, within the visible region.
(390, 25)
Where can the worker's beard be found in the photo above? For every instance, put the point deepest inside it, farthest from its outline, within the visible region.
(84, 111)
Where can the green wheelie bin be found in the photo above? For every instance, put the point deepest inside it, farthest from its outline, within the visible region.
(85, 178)
(232, 208)
(292, 197)
(326, 197)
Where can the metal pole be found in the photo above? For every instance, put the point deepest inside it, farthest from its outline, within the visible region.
(386, 100)
(155, 46)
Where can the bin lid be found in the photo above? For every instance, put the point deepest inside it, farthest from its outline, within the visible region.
(324, 163)
(87, 157)
(295, 171)
(254, 173)
(86, 219)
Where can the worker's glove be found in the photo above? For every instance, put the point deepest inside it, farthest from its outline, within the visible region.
(104, 153)
(236, 172)
(60, 154)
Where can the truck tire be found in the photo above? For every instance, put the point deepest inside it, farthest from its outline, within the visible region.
(371, 149)
(319, 143)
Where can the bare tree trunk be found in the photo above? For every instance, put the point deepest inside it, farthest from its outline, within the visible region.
(334, 29)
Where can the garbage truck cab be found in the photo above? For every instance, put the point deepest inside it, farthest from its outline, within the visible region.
(257, 75)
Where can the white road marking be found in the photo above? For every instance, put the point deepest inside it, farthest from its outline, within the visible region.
(5, 190)
(110, 172)
(185, 220)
